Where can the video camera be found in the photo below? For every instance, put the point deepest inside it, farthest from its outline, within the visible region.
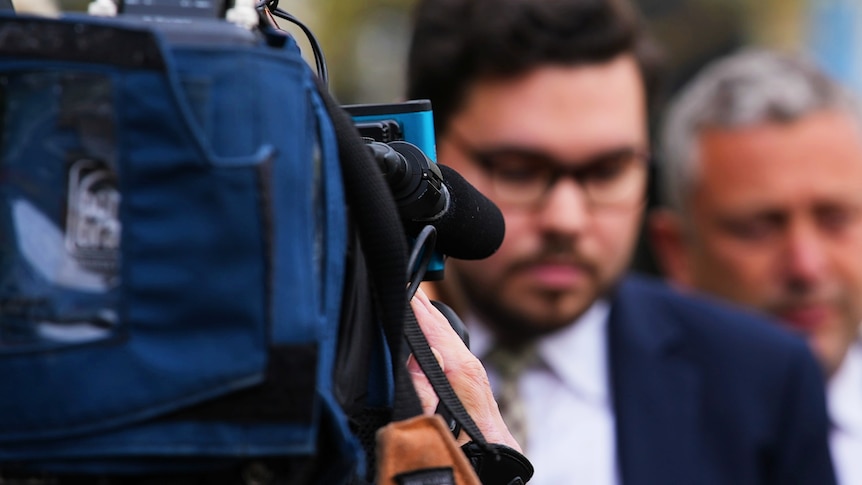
(174, 292)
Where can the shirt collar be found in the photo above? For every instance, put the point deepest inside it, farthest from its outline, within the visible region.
(844, 392)
(577, 353)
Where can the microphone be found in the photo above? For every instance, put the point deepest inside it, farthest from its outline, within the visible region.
(472, 227)
(469, 226)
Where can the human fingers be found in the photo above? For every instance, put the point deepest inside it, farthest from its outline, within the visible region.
(427, 396)
(463, 370)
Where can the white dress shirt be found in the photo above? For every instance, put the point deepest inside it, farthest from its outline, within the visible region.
(571, 438)
(844, 399)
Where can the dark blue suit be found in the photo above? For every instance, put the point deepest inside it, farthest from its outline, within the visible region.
(706, 394)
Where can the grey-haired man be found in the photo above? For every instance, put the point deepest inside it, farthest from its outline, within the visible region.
(762, 177)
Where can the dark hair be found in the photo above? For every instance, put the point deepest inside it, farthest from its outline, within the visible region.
(456, 42)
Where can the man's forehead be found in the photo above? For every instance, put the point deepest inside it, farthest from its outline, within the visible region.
(568, 112)
(823, 148)
(747, 195)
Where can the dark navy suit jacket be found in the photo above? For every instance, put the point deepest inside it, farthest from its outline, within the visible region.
(708, 394)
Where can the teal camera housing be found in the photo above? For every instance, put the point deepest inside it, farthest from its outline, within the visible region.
(411, 121)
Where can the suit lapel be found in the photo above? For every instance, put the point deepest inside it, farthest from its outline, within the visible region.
(656, 392)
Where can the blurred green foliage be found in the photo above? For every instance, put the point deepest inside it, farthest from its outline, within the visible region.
(365, 41)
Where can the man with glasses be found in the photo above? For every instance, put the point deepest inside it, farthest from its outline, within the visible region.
(762, 183)
(603, 378)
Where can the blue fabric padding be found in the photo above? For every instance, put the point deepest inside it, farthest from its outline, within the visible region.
(233, 234)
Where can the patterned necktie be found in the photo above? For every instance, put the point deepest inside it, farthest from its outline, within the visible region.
(510, 364)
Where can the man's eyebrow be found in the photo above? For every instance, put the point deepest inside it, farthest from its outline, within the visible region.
(594, 158)
(613, 154)
(764, 213)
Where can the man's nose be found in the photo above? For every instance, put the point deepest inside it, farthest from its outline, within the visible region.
(806, 254)
(566, 209)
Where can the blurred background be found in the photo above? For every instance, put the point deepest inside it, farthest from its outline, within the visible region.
(365, 41)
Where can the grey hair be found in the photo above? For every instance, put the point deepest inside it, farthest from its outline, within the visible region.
(750, 87)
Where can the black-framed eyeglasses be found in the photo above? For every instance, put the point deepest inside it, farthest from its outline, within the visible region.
(617, 178)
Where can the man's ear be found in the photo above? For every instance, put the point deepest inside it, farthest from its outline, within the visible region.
(666, 236)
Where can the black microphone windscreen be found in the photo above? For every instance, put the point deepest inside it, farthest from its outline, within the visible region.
(472, 227)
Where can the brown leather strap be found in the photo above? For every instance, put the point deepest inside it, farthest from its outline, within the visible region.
(421, 450)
